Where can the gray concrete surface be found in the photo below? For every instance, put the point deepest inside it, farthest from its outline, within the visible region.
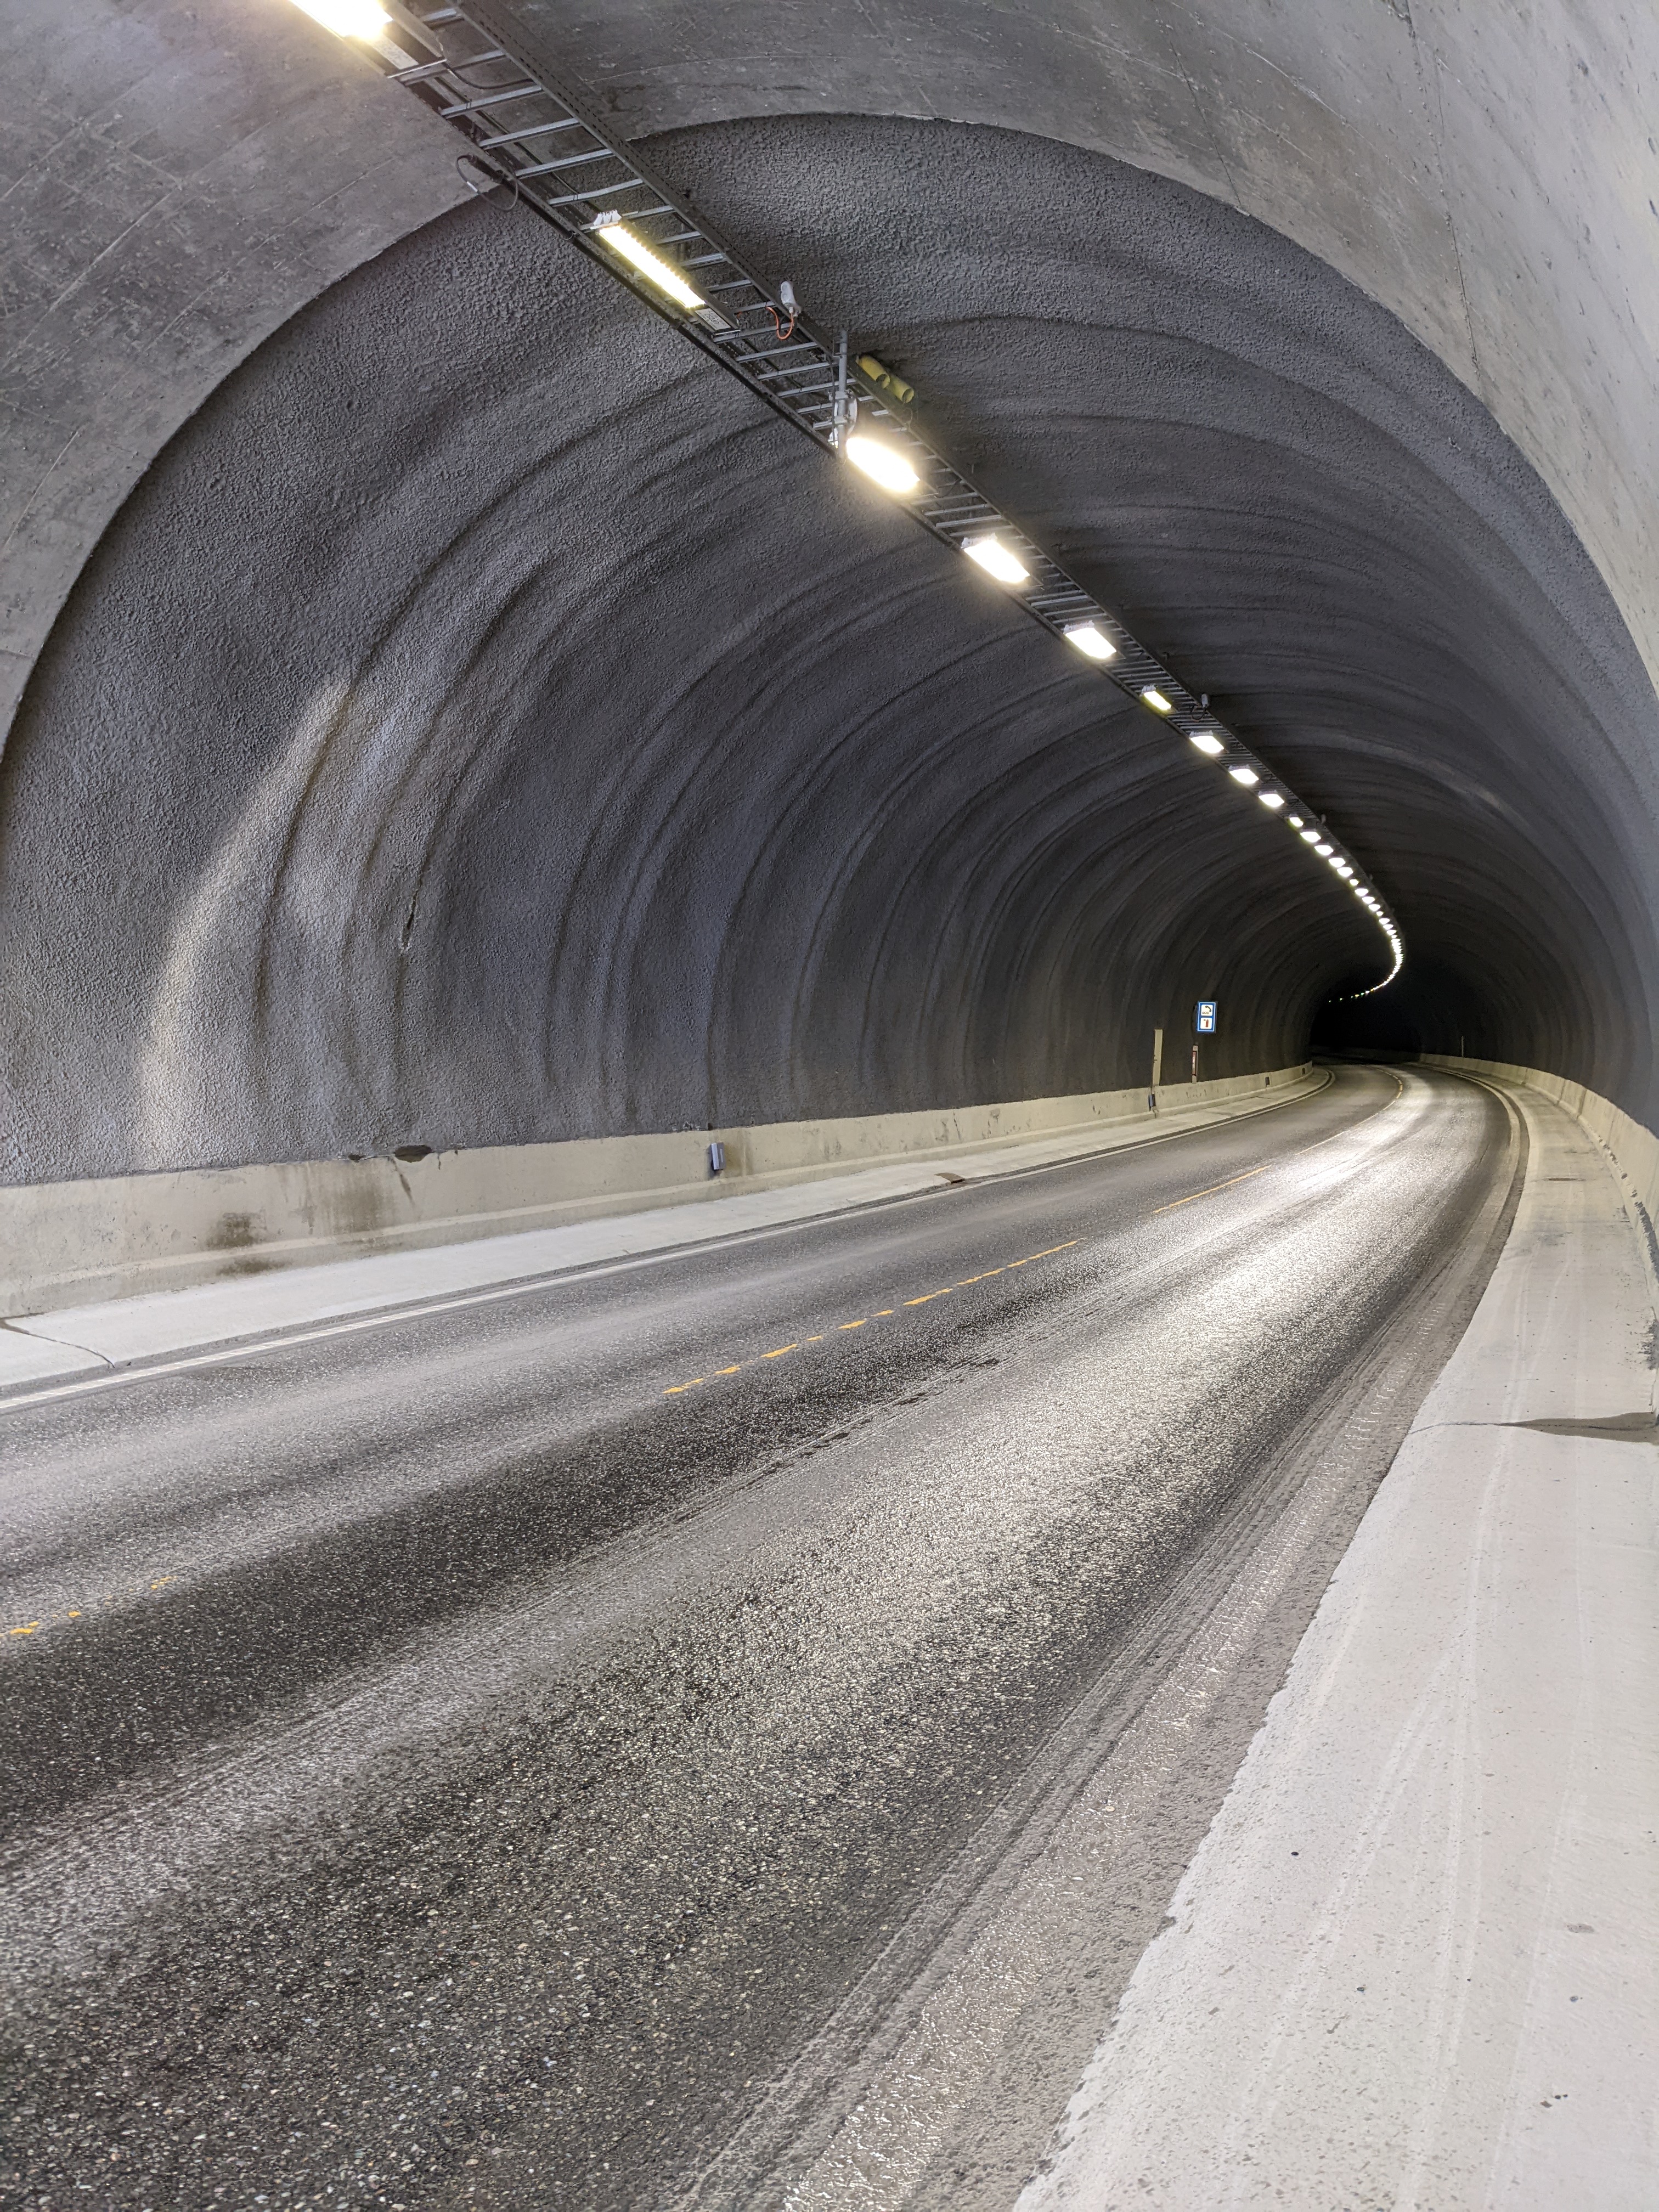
(178, 180)
(140, 1236)
(1631, 1151)
(251, 1301)
(312, 820)
(1414, 1963)
(419, 855)
(482, 1762)
(1488, 175)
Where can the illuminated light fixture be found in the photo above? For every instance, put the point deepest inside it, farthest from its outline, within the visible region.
(1310, 836)
(347, 19)
(1091, 642)
(1207, 742)
(1247, 776)
(1156, 700)
(995, 558)
(1324, 851)
(881, 463)
(1295, 821)
(1273, 799)
(621, 239)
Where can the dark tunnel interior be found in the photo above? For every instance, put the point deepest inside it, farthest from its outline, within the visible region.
(487, 723)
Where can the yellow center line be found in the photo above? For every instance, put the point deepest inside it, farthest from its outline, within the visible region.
(79, 1611)
(1301, 1153)
(886, 1313)
(1212, 1188)
(883, 1313)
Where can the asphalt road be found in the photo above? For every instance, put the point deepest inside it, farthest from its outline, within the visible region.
(711, 1730)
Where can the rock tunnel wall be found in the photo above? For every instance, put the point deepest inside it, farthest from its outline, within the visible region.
(486, 724)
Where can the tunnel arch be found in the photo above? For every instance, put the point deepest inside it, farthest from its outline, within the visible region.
(485, 724)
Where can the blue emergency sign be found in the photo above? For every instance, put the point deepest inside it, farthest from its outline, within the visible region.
(1204, 1020)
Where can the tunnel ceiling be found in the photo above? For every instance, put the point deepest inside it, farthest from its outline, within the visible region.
(486, 722)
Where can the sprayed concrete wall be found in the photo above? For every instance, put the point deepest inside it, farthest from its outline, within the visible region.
(470, 730)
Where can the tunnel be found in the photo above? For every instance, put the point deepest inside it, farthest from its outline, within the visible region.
(476, 773)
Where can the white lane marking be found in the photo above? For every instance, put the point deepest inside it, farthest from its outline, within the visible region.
(137, 1373)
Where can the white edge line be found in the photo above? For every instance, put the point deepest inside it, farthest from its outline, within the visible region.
(85, 1385)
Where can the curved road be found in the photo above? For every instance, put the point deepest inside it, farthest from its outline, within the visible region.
(713, 1730)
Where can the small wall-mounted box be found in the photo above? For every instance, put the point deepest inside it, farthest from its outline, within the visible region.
(716, 1157)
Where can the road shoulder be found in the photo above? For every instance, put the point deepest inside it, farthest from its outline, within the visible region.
(1413, 1960)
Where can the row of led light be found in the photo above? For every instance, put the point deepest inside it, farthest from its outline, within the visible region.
(890, 470)
(1211, 742)
(885, 465)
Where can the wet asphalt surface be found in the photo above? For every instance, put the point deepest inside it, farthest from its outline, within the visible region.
(471, 1762)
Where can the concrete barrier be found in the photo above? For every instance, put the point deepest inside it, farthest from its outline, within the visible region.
(1634, 1147)
(77, 1244)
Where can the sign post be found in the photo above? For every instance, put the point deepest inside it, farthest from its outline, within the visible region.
(1203, 1025)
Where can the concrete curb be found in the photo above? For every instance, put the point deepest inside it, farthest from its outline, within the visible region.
(79, 1243)
(81, 1339)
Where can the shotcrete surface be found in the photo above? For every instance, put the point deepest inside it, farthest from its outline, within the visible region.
(488, 723)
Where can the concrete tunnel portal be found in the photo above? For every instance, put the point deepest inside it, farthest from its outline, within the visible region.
(471, 760)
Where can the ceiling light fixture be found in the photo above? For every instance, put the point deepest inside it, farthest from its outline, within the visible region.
(1295, 821)
(347, 19)
(1310, 836)
(1273, 799)
(1247, 776)
(995, 558)
(882, 463)
(615, 233)
(1323, 851)
(655, 241)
